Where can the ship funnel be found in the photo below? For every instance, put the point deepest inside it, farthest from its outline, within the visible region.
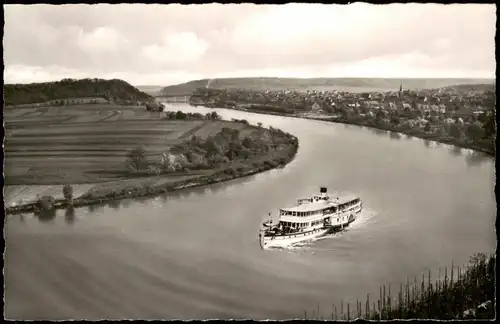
(322, 190)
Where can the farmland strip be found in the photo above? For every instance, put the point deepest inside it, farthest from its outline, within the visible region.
(193, 130)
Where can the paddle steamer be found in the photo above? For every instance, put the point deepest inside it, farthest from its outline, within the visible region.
(312, 217)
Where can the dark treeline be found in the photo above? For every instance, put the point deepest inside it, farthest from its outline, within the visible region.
(18, 94)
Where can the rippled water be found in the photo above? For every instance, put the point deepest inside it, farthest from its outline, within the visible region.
(194, 254)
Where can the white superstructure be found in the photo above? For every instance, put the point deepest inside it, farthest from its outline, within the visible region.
(311, 218)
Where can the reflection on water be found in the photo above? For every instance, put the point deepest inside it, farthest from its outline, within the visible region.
(142, 199)
(379, 132)
(69, 215)
(46, 215)
(395, 135)
(475, 158)
(115, 204)
(455, 150)
(427, 143)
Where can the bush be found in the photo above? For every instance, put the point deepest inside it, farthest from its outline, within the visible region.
(230, 171)
(270, 163)
(280, 161)
(68, 192)
(46, 203)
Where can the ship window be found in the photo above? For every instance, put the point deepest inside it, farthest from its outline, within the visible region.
(293, 213)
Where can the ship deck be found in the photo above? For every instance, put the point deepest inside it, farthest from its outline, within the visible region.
(333, 202)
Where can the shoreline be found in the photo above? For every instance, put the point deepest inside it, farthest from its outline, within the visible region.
(428, 137)
(216, 177)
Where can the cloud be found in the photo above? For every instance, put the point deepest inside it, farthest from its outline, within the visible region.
(101, 40)
(184, 47)
(147, 44)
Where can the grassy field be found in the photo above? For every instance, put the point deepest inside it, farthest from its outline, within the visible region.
(326, 84)
(84, 145)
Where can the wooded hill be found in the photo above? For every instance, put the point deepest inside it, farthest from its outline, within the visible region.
(17, 94)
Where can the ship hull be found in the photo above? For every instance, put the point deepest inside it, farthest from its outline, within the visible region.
(283, 241)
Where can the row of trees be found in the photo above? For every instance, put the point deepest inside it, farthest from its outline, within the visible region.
(476, 130)
(215, 151)
(180, 115)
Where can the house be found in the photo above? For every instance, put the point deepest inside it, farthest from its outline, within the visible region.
(373, 104)
(392, 106)
(434, 108)
(316, 107)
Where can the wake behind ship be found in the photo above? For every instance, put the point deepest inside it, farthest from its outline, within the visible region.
(311, 218)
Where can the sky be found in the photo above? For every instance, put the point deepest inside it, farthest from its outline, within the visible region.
(170, 44)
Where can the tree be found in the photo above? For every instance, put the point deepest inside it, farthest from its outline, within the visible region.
(427, 127)
(455, 130)
(168, 162)
(69, 215)
(489, 126)
(136, 158)
(474, 132)
(441, 132)
(180, 115)
(247, 142)
(213, 115)
(46, 203)
(395, 120)
(68, 192)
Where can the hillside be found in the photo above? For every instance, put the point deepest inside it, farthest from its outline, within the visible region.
(347, 84)
(17, 94)
(472, 87)
(186, 88)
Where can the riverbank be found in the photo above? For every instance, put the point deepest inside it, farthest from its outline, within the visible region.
(108, 153)
(411, 132)
(416, 133)
(123, 190)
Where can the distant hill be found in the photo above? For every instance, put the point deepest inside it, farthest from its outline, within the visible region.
(346, 84)
(17, 94)
(188, 87)
(472, 87)
(150, 89)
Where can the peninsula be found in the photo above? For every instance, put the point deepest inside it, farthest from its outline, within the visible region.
(98, 138)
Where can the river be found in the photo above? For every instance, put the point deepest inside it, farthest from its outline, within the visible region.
(194, 254)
